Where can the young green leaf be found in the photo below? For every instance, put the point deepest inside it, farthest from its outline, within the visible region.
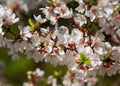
(57, 73)
(88, 61)
(106, 56)
(82, 57)
(84, 60)
(31, 23)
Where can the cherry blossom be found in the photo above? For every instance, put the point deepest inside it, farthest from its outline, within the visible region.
(80, 42)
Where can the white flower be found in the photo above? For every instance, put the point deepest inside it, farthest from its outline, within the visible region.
(82, 7)
(25, 32)
(103, 2)
(68, 13)
(63, 11)
(70, 58)
(39, 19)
(112, 70)
(39, 72)
(99, 36)
(36, 39)
(115, 21)
(61, 34)
(49, 48)
(8, 16)
(46, 11)
(52, 19)
(108, 10)
(94, 12)
(11, 20)
(80, 19)
(63, 30)
(78, 82)
(2, 11)
(76, 36)
(92, 81)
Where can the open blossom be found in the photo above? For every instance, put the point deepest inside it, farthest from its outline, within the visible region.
(48, 11)
(80, 19)
(61, 35)
(82, 67)
(76, 36)
(7, 16)
(108, 10)
(82, 7)
(12, 19)
(94, 12)
(39, 19)
(55, 13)
(63, 11)
(36, 39)
(66, 13)
(115, 20)
(25, 32)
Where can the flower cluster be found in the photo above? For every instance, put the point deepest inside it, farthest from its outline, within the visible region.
(76, 37)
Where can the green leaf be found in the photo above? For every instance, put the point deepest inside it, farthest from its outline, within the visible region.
(106, 56)
(82, 57)
(84, 60)
(88, 61)
(57, 73)
(31, 23)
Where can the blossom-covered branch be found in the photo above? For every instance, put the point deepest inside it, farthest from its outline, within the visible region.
(63, 35)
